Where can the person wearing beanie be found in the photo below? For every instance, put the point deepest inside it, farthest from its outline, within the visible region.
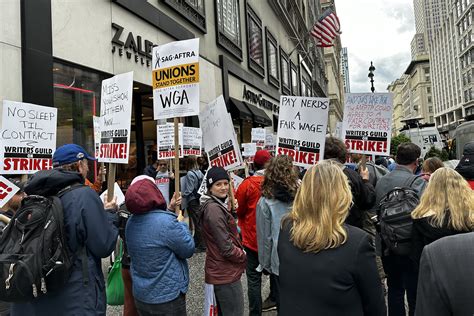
(466, 165)
(158, 243)
(225, 256)
(247, 195)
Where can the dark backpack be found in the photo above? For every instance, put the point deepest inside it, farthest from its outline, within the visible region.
(395, 218)
(34, 256)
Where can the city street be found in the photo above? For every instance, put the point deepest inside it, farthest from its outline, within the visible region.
(195, 296)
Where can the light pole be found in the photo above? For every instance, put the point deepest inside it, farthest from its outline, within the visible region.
(371, 76)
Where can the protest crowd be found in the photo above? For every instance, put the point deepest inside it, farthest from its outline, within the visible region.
(339, 224)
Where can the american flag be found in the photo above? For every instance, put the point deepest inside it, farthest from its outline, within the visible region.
(326, 29)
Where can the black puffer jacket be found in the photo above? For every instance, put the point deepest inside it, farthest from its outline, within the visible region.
(466, 165)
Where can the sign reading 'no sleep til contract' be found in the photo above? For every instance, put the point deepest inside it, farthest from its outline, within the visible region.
(27, 137)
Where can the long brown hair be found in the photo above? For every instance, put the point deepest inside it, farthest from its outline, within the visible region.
(280, 172)
(320, 208)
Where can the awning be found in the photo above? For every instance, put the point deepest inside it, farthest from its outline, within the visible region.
(259, 115)
(239, 110)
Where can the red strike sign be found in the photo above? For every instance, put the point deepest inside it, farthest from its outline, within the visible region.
(113, 151)
(5, 190)
(27, 164)
(192, 152)
(226, 159)
(366, 145)
(299, 156)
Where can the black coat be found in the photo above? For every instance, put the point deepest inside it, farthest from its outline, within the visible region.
(446, 281)
(423, 233)
(340, 281)
(363, 196)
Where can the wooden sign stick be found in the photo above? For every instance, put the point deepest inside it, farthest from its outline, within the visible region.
(112, 168)
(176, 160)
(363, 162)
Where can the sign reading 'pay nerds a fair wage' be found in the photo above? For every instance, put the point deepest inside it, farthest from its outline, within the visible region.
(176, 79)
(27, 137)
(302, 129)
(367, 123)
(115, 118)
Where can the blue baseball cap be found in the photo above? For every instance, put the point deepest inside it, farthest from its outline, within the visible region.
(69, 153)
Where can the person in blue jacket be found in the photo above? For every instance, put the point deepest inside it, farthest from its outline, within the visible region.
(158, 243)
(90, 233)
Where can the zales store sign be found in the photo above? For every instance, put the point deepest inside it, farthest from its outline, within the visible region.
(259, 100)
(134, 48)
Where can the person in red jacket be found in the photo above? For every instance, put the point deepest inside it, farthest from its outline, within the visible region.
(247, 195)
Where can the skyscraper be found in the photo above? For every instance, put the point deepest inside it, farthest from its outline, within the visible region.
(345, 70)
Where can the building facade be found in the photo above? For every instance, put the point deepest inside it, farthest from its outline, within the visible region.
(452, 54)
(56, 53)
(397, 114)
(418, 45)
(418, 102)
(345, 70)
(333, 69)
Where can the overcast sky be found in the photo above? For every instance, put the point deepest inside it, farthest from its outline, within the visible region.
(378, 31)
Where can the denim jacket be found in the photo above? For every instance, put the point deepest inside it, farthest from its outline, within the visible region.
(269, 215)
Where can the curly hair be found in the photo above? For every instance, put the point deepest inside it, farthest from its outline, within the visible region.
(281, 172)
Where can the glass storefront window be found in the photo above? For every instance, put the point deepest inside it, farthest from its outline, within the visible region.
(77, 97)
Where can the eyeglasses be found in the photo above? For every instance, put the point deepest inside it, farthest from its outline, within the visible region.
(162, 164)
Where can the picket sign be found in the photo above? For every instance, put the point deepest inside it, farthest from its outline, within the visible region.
(7, 191)
(367, 123)
(96, 126)
(115, 120)
(27, 137)
(258, 136)
(302, 126)
(175, 79)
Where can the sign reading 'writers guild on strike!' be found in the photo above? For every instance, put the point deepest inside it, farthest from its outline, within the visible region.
(27, 137)
(367, 123)
(165, 141)
(176, 79)
(219, 138)
(192, 141)
(302, 128)
(115, 118)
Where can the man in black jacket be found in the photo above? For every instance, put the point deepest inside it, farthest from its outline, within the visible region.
(363, 193)
(446, 281)
(400, 270)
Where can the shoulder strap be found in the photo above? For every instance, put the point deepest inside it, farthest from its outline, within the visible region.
(69, 188)
(409, 182)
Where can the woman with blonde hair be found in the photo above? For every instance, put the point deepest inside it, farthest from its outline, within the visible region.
(279, 188)
(326, 267)
(446, 208)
